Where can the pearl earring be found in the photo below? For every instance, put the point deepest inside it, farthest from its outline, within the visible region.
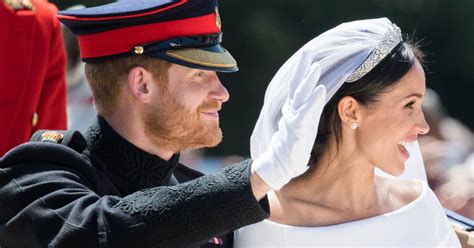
(353, 125)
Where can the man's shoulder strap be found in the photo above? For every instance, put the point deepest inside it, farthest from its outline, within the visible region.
(59, 147)
(71, 138)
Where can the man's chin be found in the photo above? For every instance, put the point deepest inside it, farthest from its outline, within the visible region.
(214, 144)
(209, 140)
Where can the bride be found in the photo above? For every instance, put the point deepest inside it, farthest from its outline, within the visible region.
(374, 83)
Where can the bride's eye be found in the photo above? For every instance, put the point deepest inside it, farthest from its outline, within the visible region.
(410, 104)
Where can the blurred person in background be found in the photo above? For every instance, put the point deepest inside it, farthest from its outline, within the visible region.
(198, 160)
(448, 154)
(32, 71)
(456, 190)
(81, 112)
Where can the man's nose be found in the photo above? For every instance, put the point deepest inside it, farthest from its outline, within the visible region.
(219, 92)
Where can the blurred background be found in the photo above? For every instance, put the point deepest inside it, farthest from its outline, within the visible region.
(262, 35)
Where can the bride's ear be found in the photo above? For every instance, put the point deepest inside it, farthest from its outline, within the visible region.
(349, 111)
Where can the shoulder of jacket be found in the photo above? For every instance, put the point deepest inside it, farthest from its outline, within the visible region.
(46, 146)
(70, 138)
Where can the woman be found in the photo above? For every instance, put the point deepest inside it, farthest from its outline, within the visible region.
(375, 84)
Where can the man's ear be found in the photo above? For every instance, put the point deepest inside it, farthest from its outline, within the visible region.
(349, 111)
(139, 82)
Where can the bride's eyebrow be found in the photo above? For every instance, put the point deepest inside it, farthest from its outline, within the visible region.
(414, 95)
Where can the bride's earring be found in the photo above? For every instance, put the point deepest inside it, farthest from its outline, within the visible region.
(353, 125)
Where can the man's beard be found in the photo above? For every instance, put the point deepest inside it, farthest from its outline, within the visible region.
(171, 126)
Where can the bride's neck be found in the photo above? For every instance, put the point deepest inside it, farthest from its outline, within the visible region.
(347, 183)
(337, 188)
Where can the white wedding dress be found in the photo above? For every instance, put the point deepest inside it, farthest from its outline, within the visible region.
(421, 223)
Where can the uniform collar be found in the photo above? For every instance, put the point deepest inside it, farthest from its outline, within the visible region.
(129, 167)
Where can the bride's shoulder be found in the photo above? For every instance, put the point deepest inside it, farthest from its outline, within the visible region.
(405, 190)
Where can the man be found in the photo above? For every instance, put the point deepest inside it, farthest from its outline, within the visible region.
(32, 83)
(152, 69)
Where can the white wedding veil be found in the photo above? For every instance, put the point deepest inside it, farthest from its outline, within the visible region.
(344, 54)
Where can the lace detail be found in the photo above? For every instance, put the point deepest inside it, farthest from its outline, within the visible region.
(141, 202)
(136, 168)
(390, 40)
(240, 175)
(200, 202)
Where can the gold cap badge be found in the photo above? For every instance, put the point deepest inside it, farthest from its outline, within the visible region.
(138, 50)
(51, 136)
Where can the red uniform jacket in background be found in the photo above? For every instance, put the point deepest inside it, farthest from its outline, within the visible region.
(32, 73)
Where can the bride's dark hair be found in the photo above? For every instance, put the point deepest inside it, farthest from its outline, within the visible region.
(366, 91)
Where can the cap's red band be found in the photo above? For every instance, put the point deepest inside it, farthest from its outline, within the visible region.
(80, 18)
(105, 43)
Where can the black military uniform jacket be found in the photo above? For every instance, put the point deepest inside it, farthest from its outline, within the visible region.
(113, 194)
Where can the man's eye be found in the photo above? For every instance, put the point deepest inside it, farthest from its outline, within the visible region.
(199, 74)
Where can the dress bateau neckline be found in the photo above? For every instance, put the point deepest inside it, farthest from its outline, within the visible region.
(406, 207)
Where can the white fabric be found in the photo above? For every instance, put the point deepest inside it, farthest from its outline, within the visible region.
(338, 52)
(297, 130)
(421, 223)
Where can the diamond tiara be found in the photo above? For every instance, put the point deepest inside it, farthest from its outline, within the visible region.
(390, 40)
